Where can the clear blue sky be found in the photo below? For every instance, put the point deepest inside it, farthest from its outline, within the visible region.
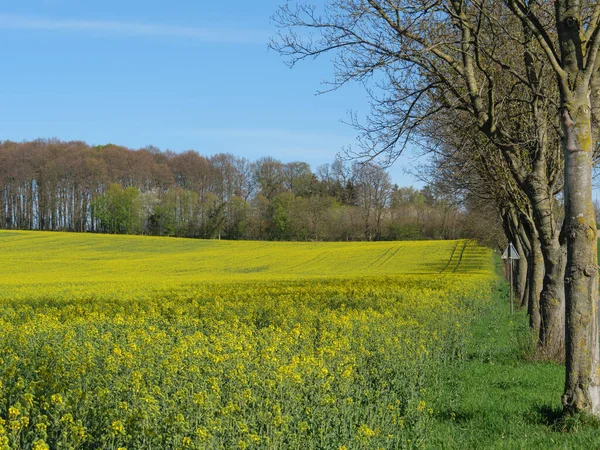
(179, 75)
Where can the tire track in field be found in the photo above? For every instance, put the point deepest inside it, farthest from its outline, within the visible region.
(462, 252)
(379, 258)
(246, 261)
(389, 255)
(451, 257)
(310, 262)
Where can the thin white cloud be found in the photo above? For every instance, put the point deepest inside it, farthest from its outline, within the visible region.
(139, 29)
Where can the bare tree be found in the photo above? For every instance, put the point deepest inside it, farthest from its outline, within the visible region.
(374, 190)
(438, 59)
(434, 56)
(269, 177)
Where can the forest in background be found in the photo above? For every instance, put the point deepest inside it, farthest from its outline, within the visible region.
(72, 186)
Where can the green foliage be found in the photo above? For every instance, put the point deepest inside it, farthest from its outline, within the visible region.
(404, 232)
(282, 207)
(118, 210)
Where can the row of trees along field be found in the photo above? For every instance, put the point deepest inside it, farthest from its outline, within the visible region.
(505, 95)
(54, 185)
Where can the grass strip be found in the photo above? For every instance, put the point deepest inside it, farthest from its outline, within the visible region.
(497, 398)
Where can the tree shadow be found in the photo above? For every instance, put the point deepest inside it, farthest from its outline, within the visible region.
(547, 415)
(452, 415)
(561, 421)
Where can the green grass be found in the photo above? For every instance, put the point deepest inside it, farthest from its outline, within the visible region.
(497, 399)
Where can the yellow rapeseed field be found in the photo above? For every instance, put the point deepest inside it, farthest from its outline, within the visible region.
(139, 342)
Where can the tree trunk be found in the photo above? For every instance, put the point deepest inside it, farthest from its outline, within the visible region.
(552, 298)
(520, 276)
(524, 248)
(582, 387)
(526, 297)
(535, 282)
(552, 302)
(515, 231)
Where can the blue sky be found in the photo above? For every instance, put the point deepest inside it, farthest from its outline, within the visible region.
(178, 75)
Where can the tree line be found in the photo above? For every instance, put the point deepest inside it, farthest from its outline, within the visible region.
(71, 186)
(505, 97)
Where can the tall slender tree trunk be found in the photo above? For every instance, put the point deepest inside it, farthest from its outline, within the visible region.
(582, 385)
(536, 279)
(552, 301)
(577, 66)
(525, 242)
(526, 298)
(523, 246)
(552, 297)
(520, 275)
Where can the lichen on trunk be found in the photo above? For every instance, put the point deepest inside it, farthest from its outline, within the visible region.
(582, 385)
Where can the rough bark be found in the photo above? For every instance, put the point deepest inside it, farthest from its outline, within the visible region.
(582, 385)
(537, 187)
(525, 243)
(552, 297)
(535, 282)
(520, 275)
(526, 294)
(579, 50)
(595, 102)
(552, 301)
(522, 244)
(531, 265)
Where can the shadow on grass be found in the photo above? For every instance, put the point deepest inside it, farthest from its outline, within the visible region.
(452, 415)
(561, 421)
(506, 385)
(544, 415)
